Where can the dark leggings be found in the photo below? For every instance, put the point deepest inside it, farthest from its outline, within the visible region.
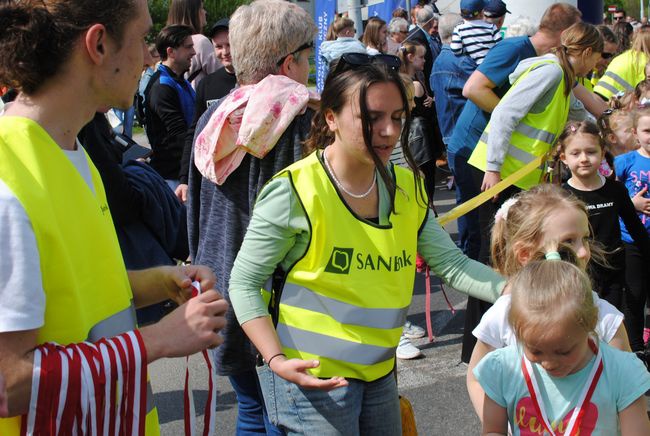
(638, 286)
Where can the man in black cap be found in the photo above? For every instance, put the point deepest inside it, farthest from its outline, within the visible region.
(213, 87)
(495, 12)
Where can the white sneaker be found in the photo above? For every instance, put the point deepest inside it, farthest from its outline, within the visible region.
(406, 350)
(413, 331)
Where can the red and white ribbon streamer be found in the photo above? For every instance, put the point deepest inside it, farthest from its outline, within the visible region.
(573, 428)
(211, 403)
(89, 389)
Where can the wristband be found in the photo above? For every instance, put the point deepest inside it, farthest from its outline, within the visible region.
(268, 362)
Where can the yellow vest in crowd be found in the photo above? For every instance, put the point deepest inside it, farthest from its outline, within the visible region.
(623, 74)
(345, 301)
(533, 137)
(87, 291)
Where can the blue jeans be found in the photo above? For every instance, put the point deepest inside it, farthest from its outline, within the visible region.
(361, 408)
(469, 230)
(252, 418)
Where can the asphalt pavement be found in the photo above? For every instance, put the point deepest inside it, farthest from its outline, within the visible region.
(435, 383)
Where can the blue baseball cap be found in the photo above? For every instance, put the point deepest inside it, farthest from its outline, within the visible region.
(471, 8)
(495, 9)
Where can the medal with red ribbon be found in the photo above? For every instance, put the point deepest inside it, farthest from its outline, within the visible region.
(211, 403)
(573, 427)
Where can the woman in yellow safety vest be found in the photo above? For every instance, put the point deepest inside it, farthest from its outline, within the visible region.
(528, 119)
(335, 236)
(627, 69)
(62, 279)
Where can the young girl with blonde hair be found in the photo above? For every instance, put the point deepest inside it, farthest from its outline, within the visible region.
(560, 378)
(544, 219)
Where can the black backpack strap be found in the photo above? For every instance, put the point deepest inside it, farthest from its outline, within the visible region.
(194, 74)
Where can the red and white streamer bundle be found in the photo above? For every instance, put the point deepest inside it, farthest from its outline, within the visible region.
(89, 389)
(211, 403)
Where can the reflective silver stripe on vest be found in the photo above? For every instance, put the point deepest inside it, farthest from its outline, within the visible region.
(114, 325)
(535, 134)
(618, 79)
(333, 348)
(344, 313)
(521, 155)
(608, 87)
(515, 152)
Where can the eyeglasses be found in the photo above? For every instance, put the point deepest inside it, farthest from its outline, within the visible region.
(362, 59)
(606, 55)
(618, 18)
(305, 46)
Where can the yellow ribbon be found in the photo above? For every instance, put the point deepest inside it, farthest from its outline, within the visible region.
(484, 196)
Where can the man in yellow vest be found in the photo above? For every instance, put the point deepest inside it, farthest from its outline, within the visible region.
(62, 278)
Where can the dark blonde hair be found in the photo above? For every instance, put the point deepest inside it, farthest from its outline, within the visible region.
(548, 292)
(371, 33)
(407, 48)
(524, 224)
(340, 24)
(574, 41)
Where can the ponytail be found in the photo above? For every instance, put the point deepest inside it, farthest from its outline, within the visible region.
(574, 41)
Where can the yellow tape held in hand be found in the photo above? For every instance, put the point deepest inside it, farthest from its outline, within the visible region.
(484, 196)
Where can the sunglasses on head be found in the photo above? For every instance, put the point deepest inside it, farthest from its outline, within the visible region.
(305, 46)
(352, 60)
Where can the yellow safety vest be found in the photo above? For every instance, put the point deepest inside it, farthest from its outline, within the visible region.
(587, 83)
(533, 137)
(345, 301)
(87, 291)
(623, 74)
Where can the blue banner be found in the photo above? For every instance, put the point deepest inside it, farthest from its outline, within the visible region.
(325, 11)
(385, 10)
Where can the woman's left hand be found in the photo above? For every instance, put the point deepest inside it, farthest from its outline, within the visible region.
(428, 102)
(295, 371)
(178, 282)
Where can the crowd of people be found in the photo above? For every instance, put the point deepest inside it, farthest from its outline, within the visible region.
(281, 229)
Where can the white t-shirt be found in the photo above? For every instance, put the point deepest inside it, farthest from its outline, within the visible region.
(21, 288)
(495, 331)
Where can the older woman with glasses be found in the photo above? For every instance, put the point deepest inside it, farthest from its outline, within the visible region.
(398, 30)
(271, 42)
(335, 237)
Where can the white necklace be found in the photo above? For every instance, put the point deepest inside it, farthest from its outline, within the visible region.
(340, 185)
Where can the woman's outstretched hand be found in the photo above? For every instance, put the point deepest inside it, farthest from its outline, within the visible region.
(295, 371)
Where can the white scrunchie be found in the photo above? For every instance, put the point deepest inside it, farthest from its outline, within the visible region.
(502, 213)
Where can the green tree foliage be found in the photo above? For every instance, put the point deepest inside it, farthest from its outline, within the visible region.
(216, 10)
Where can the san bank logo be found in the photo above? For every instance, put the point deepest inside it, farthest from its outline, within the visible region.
(340, 261)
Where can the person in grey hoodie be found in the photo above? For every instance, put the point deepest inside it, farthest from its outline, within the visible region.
(345, 42)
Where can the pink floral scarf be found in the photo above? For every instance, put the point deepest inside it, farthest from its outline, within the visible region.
(250, 119)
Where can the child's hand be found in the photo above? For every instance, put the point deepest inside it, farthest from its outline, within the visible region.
(642, 204)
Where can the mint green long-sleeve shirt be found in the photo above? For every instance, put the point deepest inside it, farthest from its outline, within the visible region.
(278, 234)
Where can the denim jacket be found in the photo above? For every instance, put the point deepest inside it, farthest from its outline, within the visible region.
(448, 76)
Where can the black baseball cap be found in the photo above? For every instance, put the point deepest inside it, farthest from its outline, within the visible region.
(219, 25)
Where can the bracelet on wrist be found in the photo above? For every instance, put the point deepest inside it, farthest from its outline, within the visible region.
(268, 362)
